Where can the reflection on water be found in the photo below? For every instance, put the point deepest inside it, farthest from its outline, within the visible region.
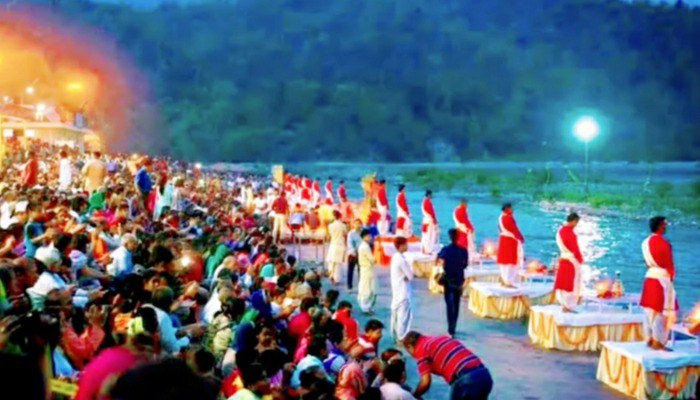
(590, 234)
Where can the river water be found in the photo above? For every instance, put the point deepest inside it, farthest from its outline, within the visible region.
(609, 242)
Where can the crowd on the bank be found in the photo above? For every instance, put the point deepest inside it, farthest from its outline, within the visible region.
(135, 277)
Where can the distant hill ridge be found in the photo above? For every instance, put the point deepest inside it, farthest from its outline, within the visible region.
(409, 80)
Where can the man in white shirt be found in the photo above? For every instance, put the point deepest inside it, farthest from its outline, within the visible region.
(122, 262)
(260, 204)
(336, 249)
(367, 290)
(65, 172)
(401, 277)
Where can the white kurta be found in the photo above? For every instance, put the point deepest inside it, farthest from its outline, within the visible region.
(428, 238)
(401, 314)
(65, 174)
(336, 249)
(367, 289)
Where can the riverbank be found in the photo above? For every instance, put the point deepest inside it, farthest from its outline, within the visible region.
(562, 186)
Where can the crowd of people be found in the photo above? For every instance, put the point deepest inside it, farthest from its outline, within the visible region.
(133, 277)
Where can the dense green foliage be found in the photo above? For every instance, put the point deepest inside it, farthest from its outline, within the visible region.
(410, 80)
(561, 184)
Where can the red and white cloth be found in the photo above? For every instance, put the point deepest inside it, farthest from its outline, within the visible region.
(510, 256)
(383, 208)
(404, 225)
(429, 228)
(329, 192)
(465, 229)
(568, 282)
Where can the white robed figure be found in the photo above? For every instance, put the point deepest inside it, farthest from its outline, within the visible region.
(65, 173)
(337, 232)
(367, 288)
(429, 234)
(401, 278)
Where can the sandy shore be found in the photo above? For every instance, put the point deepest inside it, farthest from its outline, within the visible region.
(520, 370)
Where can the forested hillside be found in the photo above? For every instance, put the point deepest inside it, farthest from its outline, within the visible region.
(410, 80)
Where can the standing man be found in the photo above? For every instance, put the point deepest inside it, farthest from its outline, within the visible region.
(465, 229)
(401, 277)
(329, 191)
(510, 255)
(568, 282)
(342, 192)
(95, 172)
(280, 207)
(404, 226)
(30, 171)
(143, 183)
(316, 193)
(430, 225)
(367, 290)
(65, 172)
(658, 294)
(353, 246)
(453, 259)
(306, 185)
(467, 376)
(336, 249)
(383, 208)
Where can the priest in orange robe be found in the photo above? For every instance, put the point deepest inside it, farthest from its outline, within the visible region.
(568, 283)
(383, 208)
(510, 255)
(464, 227)
(658, 294)
(342, 192)
(404, 226)
(329, 192)
(429, 236)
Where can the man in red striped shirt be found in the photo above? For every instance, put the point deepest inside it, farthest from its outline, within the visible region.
(468, 378)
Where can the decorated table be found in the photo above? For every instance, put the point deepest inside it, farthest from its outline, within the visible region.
(384, 248)
(486, 272)
(423, 264)
(641, 372)
(492, 300)
(628, 301)
(552, 328)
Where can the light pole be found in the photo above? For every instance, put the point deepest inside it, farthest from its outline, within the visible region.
(586, 128)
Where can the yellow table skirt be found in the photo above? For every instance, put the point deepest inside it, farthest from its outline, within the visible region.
(423, 269)
(434, 287)
(544, 331)
(628, 376)
(504, 307)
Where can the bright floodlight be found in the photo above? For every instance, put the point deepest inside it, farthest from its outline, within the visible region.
(586, 128)
(30, 90)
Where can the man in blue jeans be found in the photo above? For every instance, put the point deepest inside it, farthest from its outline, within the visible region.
(453, 259)
(468, 377)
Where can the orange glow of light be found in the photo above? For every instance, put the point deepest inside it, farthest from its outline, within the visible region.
(76, 69)
(536, 267)
(693, 320)
(604, 288)
(75, 86)
(489, 250)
